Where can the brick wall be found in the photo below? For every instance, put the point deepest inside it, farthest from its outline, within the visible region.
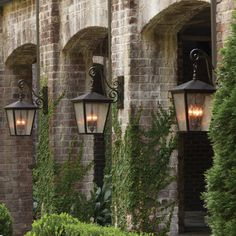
(16, 158)
(224, 17)
(144, 51)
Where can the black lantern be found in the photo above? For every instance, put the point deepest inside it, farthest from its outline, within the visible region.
(20, 117)
(21, 114)
(193, 99)
(92, 108)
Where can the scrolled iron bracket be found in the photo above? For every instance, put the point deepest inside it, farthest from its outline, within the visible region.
(115, 91)
(195, 55)
(40, 100)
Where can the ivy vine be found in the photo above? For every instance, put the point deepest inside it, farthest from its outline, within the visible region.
(140, 170)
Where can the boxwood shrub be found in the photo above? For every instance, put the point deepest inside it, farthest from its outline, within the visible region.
(5, 221)
(66, 225)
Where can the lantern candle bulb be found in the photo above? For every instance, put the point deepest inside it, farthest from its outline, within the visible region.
(195, 111)
(92, 122)
(21, 123)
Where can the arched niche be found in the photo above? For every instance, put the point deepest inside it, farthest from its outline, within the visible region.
(81, 51)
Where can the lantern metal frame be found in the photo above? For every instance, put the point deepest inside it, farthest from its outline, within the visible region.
(194, 86)
(40, 101)
(97, 95)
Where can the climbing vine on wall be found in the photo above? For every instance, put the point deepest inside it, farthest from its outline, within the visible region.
(55, 188)
(140, 171)
(43, 174)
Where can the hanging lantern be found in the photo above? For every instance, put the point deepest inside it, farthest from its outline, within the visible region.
(21, 114)
(193, 101)
(91, 111)
(92, 108)
(20, 117)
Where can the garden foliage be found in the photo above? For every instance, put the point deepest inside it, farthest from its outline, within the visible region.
(66, 225)
(54, 184)
(68, 198)
(220, 197)
(5, 221)
(141, 171)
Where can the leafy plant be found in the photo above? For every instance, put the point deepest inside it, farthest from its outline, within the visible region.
(5, 221)
(220, 197)
(68, 198)
(43, 173)
(140, 171)
(102, 203)
(66, 225)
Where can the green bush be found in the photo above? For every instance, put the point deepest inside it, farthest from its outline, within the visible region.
(102, 203)
(5, 221)
(220, 197)
(66, 225)
(141, 171)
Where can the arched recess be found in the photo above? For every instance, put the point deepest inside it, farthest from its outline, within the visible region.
(18, 152)
(175, 16)
(23, 55)
(167, 37)
(81, 51)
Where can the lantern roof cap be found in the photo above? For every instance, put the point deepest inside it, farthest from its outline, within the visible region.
(21, 105)
(92, 97)
(194, 85)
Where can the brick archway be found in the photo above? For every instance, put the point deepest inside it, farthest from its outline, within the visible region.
(174, 16)
(23, 55)
(161, 37)
(17, 153)
(79, 54)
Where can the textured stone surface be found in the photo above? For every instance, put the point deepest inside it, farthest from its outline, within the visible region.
(144, 51)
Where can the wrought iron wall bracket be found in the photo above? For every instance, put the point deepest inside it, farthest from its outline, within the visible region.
(195, 55)
(40, 100)
(115, 91)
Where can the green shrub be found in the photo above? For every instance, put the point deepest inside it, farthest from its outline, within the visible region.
(68, 198)
(5, 221)
(66, 225)
(141, 171)
(102, 203)
(220, 197)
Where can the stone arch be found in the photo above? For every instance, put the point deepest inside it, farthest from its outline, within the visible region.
(23, 55)
(171, 18)
(78, 56)
(160, 43)
(87, 39)
(18, 150)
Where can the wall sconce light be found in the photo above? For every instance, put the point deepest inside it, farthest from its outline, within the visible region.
(21, 114)
(92, 108)
(193, 99)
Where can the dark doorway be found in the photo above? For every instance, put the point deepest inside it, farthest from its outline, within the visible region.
(195, 151)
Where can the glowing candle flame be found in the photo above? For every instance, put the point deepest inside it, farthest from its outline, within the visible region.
(92, 122)
(20, 122)
(195, 111)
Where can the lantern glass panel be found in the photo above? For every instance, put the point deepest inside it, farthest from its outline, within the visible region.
(79, 113)
(199, 111)
(11, 122)
(96, 115)
(179, 102)
(24, 121)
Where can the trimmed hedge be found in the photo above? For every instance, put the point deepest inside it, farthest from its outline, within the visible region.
(220, 197)
(66, 225)
(5, 221)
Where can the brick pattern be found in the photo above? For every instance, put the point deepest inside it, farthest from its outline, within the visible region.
(144, 51)
(224, 18)
(16, 158)
(20, 15)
